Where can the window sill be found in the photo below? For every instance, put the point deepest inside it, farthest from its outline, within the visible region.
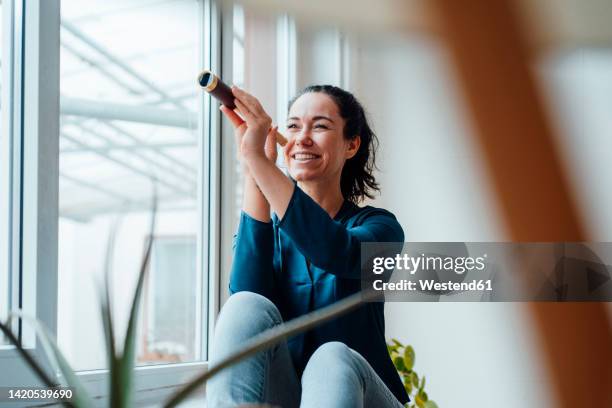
(152, 383)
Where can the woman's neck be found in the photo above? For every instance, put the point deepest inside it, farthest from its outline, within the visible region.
(330, 199)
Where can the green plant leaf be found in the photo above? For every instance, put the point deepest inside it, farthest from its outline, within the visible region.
(408, 384)
(125, 363)
(107, 318)
(392, 348)
(399, 363)
(409, 357)
(34, 365)
(81, 398)
(397, 343)
(422, 383)
(423, 395)
(419, 401)
(415, 379)
(430, 404)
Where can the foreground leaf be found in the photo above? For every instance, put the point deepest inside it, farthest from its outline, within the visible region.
(107, 316)
(81, 398)
(125, 363)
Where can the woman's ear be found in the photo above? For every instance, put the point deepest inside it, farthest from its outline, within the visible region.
(352, 147)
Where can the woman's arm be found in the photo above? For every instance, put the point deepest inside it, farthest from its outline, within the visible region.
(252, 265)
(254, 203)
(275, 186)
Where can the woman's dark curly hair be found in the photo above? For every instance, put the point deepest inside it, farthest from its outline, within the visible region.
(357, 180)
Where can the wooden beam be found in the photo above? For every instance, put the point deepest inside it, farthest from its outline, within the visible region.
(490, 55)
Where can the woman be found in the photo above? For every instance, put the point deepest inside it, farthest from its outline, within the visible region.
(304, 258)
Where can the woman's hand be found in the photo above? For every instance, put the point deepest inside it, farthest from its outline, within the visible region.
(254, 202)
(240, 128)
(255, 141)
(253, 133)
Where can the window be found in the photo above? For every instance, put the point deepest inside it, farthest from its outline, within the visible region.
(129, 122)
(170, 301)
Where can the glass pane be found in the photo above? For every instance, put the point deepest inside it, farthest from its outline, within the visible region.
(170, 301)
(129, 104)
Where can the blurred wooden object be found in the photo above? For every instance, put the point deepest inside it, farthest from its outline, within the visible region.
(491, 57)
(553, 24)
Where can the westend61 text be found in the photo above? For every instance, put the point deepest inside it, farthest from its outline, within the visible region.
(431, 285)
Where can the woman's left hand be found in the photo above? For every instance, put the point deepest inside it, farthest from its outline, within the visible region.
(258, 124)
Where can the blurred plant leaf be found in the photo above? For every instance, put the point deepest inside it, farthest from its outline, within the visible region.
(125, 363)
(107, 317)
(37, 368)
(415, 379)
(420, 403)
(430, 404)
(409, 357)
(397, 343)
(408, 384)
(423, 395)
(81, 398)
(399, 363)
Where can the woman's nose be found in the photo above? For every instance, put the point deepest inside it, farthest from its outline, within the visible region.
(303, 138)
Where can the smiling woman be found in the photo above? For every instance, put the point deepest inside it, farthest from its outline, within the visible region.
(305, 257)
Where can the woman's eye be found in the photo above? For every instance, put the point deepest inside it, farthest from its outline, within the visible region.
(320, 126)
(292, 126)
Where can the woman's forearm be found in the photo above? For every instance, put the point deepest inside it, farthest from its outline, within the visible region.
(253, 202)
(275, 186)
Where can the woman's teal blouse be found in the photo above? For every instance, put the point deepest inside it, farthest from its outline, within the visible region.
(307, 261)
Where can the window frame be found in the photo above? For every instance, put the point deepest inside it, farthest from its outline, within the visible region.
(6, 159)
(28, 183)
(40, 114)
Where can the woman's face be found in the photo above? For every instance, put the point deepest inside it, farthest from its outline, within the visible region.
(316, 148)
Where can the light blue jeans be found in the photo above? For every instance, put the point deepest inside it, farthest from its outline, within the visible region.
(335, 376)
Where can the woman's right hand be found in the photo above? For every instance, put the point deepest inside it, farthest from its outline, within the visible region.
(240, 127)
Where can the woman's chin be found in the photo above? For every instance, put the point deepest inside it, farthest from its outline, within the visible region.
(303, 175)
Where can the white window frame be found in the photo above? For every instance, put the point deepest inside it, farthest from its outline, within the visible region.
(40, 117)
(29, 177)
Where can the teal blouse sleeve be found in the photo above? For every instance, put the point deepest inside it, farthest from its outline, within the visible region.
(330, 245)
(252, 267)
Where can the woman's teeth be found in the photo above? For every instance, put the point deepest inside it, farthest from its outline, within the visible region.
(304, 156)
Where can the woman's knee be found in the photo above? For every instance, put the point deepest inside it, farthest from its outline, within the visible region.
(333, 357)
(248, 312)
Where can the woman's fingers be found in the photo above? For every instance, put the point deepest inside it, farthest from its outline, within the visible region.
(236, 120)
(244, 111)
(249, 101)
(270, 146)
